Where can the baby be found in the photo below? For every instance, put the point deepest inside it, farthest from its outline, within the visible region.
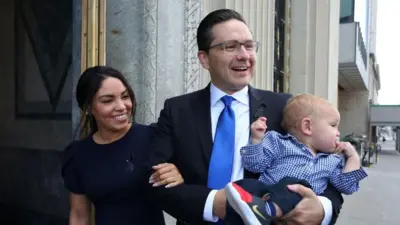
(309, 154)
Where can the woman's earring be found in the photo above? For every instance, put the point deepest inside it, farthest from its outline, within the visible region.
(87, 112)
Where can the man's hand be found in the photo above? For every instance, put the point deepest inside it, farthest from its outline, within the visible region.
(219, 206)
(309, 211)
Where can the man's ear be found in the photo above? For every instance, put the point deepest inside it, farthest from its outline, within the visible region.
(203, 58)
(306, 126)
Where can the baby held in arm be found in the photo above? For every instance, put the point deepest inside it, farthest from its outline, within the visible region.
(309, 154)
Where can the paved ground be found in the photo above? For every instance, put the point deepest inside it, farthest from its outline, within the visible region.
(378, 201)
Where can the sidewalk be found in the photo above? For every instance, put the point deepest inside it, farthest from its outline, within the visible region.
(378, 201)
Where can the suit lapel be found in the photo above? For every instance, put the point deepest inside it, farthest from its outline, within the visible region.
(258, 107)
(202, 117)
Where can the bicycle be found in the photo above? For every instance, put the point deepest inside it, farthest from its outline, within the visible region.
(371, 150)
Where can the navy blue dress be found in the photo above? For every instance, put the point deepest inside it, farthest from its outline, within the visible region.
(113, 177)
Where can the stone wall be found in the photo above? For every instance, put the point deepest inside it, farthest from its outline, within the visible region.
(154, 44)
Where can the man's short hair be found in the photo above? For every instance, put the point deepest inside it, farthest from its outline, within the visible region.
(204, 31)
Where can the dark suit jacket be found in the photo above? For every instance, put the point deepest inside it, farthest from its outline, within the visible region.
(183, 137)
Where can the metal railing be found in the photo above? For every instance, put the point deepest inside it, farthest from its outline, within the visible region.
(361, 45)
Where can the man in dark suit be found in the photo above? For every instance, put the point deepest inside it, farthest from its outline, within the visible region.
(202, 132)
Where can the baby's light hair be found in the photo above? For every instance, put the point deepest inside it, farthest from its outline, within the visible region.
(299, 107)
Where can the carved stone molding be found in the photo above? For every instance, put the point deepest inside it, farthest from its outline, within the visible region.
(148, 107)
(288, 30)
(192, 67)
(154, 44)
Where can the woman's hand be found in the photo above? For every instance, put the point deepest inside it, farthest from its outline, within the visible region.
(166, 174)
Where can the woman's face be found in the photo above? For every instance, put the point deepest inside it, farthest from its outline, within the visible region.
(112, 105)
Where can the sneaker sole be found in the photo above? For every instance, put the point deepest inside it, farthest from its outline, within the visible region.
(240, 207)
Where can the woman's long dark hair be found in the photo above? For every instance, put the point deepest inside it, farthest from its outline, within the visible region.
(88, 85)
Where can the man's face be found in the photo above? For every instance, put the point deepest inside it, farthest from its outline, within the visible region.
(231, 68)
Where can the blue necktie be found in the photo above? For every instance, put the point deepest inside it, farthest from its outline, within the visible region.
(220, 170)
(221, 163)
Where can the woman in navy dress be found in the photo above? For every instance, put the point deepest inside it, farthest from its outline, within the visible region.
(107, 169)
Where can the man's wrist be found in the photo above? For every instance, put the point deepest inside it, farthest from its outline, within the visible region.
(208, 208)
(219, 206)
(328, 210)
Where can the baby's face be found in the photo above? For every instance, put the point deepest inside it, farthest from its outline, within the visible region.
(325, 133)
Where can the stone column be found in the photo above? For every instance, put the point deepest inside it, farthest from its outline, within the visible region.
(154, 44)
(314, 52)
(259, 15)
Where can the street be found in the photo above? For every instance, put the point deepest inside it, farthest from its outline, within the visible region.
(378, 200)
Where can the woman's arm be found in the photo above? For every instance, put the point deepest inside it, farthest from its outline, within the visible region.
(80, 210)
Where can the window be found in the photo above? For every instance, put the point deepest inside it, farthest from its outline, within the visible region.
(346, 11)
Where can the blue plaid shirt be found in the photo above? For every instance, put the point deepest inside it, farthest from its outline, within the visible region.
(278, 156)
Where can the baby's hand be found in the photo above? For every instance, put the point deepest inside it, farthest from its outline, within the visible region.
(258, 128)
(346, 148)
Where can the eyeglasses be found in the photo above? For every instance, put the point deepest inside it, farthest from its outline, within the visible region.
(233, 47)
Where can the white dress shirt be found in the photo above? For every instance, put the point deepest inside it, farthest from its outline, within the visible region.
(241, 108)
